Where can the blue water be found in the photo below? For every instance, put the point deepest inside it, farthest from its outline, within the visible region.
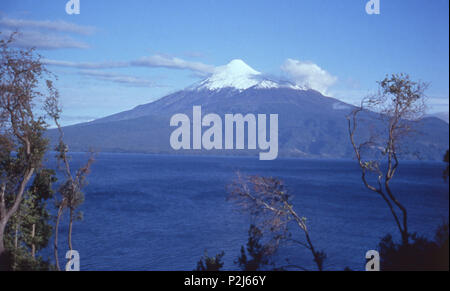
(151, 212)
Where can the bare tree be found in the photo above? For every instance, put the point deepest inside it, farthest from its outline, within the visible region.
(268, 202)
(61, 205)
(399, 103)
(71, 189)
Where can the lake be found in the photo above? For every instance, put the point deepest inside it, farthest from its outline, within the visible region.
(157, 212)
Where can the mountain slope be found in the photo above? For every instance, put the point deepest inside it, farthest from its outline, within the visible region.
(310, 124)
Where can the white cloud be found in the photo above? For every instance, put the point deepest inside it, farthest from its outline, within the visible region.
(44, 34)
(308, 75)
(58, 25)
(163, 61)
(155, 61)
(40, 40)
(119, 78)
(438, 104)
(85, 65)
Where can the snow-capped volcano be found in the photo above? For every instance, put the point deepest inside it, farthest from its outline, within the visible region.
(310, 124)
(240, 76)
(236, 74)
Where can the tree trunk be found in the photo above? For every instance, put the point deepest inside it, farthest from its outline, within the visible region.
(5, 214)
(33, 246)
(55, 244)
(3, 256)
(16, 245)
(403, 231)
(317, 259)
(16, 238)
(70, 229)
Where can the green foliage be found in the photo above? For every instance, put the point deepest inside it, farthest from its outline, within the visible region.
(71, 193)
(42, 184)
(404, 91)
(22, 149)
(21, 260)
(13, 161)
(207, 263)
(32, 214)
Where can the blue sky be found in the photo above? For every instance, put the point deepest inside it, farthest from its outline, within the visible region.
(117, 54)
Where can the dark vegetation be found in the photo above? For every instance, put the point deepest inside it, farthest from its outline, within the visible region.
(420, 254)
(255, 256)
(210, 264)
(26, 185)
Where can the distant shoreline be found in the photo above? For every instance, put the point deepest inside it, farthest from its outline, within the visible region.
(243, 156)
